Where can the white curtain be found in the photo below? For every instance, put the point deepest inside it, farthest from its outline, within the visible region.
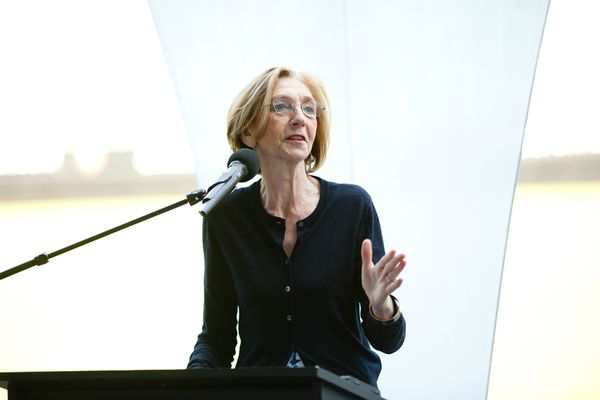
(429, 103)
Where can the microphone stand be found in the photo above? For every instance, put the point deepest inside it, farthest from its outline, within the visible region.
(191, 199)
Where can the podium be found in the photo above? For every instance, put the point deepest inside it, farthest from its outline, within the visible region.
(240, 384)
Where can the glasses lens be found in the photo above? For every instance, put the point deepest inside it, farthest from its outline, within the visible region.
(310, 109)
(282, 107)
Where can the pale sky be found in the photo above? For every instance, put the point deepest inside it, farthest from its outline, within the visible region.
(86, 77)
(566, 91)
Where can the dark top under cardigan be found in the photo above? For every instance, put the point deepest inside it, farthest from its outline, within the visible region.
(312, 302)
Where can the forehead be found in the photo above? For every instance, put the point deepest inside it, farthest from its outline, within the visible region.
(288, 86)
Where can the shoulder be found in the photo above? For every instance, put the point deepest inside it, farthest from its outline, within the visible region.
(347, 191)
(240, 200)
(243, 194)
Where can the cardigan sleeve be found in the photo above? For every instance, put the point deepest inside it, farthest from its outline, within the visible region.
(389, 336)
(216, 343)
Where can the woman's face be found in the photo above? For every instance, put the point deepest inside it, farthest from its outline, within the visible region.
(288, 138)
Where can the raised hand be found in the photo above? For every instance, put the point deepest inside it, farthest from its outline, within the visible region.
(381, 279)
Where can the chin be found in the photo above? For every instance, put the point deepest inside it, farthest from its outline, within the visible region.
(296, 156)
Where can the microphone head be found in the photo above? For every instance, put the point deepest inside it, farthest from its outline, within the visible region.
(250, 160)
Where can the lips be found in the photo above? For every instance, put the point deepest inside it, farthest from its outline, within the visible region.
(296, 138)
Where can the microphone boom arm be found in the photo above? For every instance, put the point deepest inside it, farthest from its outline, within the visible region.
(191, 199)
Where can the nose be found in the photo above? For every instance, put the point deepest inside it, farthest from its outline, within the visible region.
(297, 117)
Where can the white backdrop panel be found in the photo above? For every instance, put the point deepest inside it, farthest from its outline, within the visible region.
(443, 91)
(429, 105)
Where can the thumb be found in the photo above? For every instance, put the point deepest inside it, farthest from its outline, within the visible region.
(367, 254)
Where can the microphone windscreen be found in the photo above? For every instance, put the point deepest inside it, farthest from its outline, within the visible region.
(250, 160)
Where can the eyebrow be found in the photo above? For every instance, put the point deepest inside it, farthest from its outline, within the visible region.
(286, 97)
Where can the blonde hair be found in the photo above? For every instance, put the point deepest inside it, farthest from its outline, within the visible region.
(252, 106)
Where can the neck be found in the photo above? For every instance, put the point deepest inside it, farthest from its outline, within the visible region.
(289, 193)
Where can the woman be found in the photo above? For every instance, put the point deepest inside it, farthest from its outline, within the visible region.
(293, 253)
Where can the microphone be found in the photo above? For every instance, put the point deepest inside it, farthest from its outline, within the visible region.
(242, 166)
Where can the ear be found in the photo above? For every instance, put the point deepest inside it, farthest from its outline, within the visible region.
(248, 138)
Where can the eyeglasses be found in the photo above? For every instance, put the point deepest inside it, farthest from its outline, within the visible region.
(286, 107)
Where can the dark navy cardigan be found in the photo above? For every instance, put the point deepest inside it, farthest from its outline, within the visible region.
(311, 302)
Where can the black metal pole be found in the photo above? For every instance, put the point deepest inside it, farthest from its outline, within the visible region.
(191, 199)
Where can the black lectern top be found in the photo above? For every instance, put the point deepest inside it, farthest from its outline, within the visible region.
(242, 383)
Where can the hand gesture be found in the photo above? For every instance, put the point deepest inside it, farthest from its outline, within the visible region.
(381, 279)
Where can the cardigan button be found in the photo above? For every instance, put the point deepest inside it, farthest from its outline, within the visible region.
(287, 289)
(288, 317)
(300, 224)
(286, 262)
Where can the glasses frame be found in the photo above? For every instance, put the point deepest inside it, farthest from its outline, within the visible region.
(319, 108)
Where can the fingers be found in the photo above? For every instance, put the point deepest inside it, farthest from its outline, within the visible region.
(391, 264)
(387, 270)
(394, 266)
(383, 261)
(390, 272)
